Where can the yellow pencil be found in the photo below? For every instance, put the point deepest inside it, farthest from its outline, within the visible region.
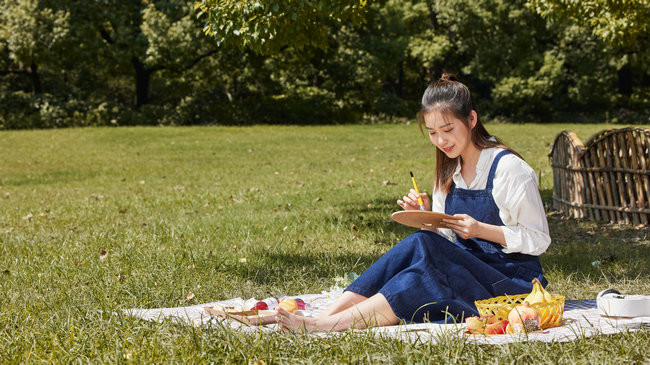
(417, 191)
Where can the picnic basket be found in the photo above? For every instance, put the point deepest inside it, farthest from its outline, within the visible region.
(550, 312)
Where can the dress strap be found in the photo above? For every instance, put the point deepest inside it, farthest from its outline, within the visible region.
(493, 168)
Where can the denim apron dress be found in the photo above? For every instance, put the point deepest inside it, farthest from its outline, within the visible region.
(427, 278)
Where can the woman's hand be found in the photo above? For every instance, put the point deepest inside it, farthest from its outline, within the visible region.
(410, 201)
(466, 228)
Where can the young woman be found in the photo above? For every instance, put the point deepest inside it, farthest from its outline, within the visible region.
(491, 251)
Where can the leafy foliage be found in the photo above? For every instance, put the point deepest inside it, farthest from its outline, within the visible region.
(108, 62)
(268, 25)
(618, 22)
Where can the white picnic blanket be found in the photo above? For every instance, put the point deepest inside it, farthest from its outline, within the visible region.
(581, 319)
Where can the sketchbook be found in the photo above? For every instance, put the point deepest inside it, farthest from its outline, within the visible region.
(421, 218)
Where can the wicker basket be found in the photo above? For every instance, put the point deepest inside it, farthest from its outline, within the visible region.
(550, 312)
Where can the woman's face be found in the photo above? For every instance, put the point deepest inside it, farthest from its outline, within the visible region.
(448, 133)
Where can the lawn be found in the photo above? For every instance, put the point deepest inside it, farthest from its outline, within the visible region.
(97, 220)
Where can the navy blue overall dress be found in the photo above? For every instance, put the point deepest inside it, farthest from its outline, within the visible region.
(427, 278)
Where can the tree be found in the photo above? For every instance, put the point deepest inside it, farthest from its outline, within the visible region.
(67, 62)
(145, 37)
(96, 58)
(266, 26)
(617, 22)
(623, 24)
(31, 35)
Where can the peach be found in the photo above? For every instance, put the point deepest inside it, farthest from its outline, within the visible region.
(524, 318)
(289, 305)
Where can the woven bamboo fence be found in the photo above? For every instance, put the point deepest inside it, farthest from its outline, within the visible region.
(606, 179)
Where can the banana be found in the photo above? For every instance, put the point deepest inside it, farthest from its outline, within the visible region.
(547, 296)
(534, 297)
(538, 294)
(539, 298)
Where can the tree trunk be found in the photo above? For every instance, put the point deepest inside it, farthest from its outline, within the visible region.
(433, 17)
(32, 71)
(142, 78)
(625, 80)
(400, 79)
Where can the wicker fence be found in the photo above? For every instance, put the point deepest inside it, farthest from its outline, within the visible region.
(607, 179)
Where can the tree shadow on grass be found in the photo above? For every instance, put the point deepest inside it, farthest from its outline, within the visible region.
(300, 267)
(594, 248)
(370, 221)
(375, 216)
(48, 177)
(620, 252)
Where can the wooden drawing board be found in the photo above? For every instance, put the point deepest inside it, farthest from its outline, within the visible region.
(421, 218)
(249, 317)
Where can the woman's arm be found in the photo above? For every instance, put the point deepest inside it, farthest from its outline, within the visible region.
(469, 227)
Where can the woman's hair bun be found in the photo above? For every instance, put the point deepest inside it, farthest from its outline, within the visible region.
(448, 77)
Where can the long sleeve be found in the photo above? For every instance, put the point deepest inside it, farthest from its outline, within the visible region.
(516, 193)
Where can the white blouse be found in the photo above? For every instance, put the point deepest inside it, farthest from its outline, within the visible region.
(515, 193)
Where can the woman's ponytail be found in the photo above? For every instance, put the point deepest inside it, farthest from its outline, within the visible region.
(448, 77)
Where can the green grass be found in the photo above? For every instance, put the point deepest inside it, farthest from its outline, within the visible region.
(177, 208)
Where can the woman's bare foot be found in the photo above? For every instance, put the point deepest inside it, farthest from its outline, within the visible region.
(290, 322)
(374, 311)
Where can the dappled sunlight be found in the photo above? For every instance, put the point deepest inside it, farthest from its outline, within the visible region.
(586, 257)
